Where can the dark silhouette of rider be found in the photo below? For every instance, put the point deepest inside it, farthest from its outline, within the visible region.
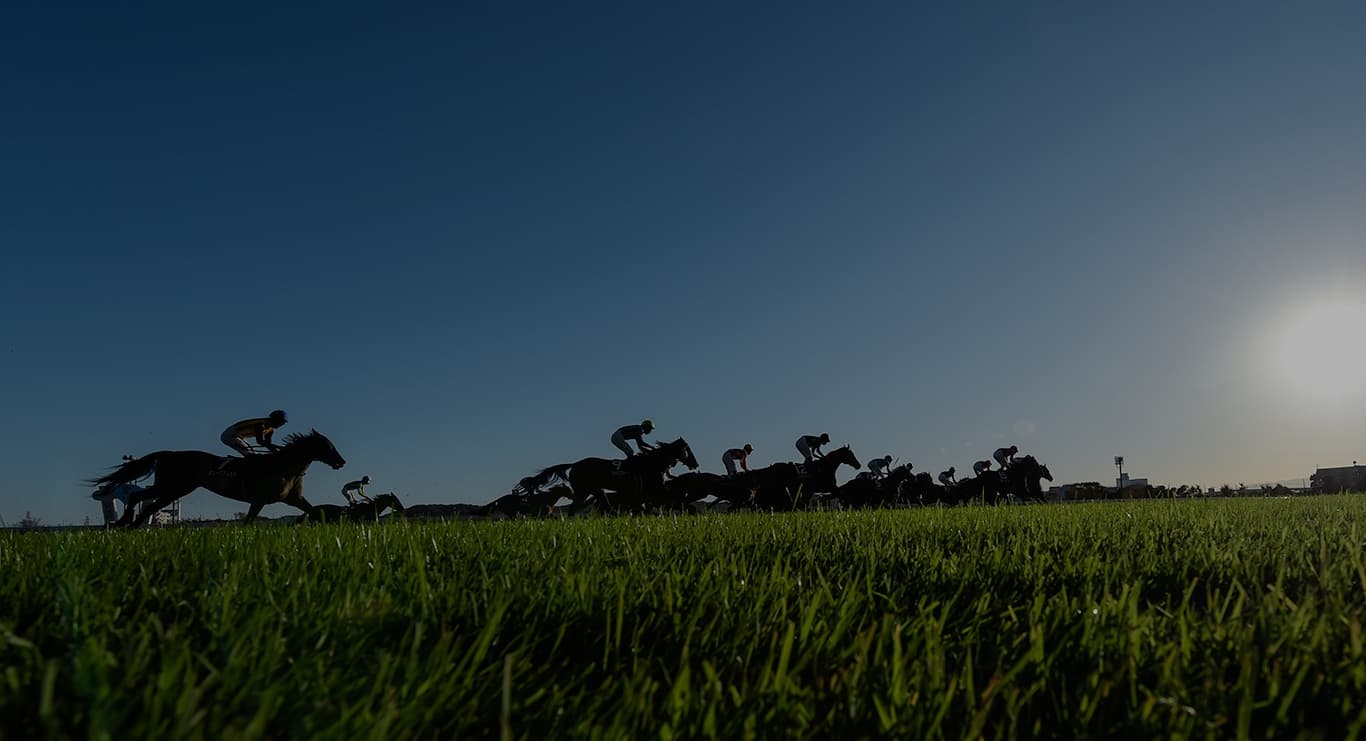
(810, 445)
(636, 433)
(260, 428)
(729, 458)
(947, 478)
(355, 490)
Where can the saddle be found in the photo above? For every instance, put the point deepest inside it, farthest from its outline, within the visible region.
(228, 467)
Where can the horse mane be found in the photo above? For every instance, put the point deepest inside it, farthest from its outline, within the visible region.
(297, 439)
(661, 448)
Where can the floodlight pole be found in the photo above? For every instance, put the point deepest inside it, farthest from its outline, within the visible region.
(1119, 463)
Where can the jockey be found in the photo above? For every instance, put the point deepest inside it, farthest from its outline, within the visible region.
(1005, 456)
(260, 429)
(980, 466)
(356, 489)
(636, 433)
(729, 458)
(810, 445)
(946, 478)
(878, 466)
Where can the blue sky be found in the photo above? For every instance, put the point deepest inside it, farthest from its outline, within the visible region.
(470, 240)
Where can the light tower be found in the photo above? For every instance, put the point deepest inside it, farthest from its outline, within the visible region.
(1119, 463)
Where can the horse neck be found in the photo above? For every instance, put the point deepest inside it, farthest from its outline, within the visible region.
(828, 463)
(663, 456)
(292, 460)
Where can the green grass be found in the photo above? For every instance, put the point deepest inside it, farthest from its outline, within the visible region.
(1204, 619)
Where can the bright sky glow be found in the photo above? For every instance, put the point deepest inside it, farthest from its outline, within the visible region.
(1318, 353)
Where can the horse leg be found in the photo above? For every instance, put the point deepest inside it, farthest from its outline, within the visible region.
(147, 512)
(297, 501)
(253, 511)
(164, 494)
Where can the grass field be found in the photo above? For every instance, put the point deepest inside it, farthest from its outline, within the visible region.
(1199, 618)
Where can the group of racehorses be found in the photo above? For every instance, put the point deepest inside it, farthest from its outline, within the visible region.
(640, 483)
(643, 483)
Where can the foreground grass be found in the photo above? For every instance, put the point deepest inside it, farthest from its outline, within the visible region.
(1228, 618)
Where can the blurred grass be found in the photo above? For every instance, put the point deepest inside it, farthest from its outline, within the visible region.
(1139, 619)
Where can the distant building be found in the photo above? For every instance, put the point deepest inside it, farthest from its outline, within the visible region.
(1342, 478)
(1124, 482)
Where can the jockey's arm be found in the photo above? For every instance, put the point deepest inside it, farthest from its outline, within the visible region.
(744, 463)
(263, 435)
(644, 445)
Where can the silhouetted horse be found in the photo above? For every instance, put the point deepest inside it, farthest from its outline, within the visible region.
(619, 485)
(789, 486)
(866, 491)
(361, 511)
(984, 489)
(528, 503)
(1023, 478)
(921, 489)
(257, 480)
(691, 487)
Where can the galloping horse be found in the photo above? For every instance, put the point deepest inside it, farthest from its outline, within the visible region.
(787, 486)
(633, 482)
(986, 488)
(257, 480)
(691, 487)
(359, 512)
(921, 489)
(866, 491)
(1024, 476)
(525, 503)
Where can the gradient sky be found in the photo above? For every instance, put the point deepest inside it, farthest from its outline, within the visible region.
(470, 240)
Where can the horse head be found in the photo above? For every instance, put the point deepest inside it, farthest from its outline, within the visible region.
(845, 454)
(679, 451)
(389, 500)
(1031, 466)
(686, 456)
(316, 446)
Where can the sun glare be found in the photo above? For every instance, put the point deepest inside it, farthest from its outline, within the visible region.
(1318, 352)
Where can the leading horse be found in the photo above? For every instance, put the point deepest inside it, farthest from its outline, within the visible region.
(257, 480)
(1023, 479)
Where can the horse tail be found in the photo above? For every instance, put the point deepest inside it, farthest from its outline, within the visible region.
(133, 470)
(545, 476)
